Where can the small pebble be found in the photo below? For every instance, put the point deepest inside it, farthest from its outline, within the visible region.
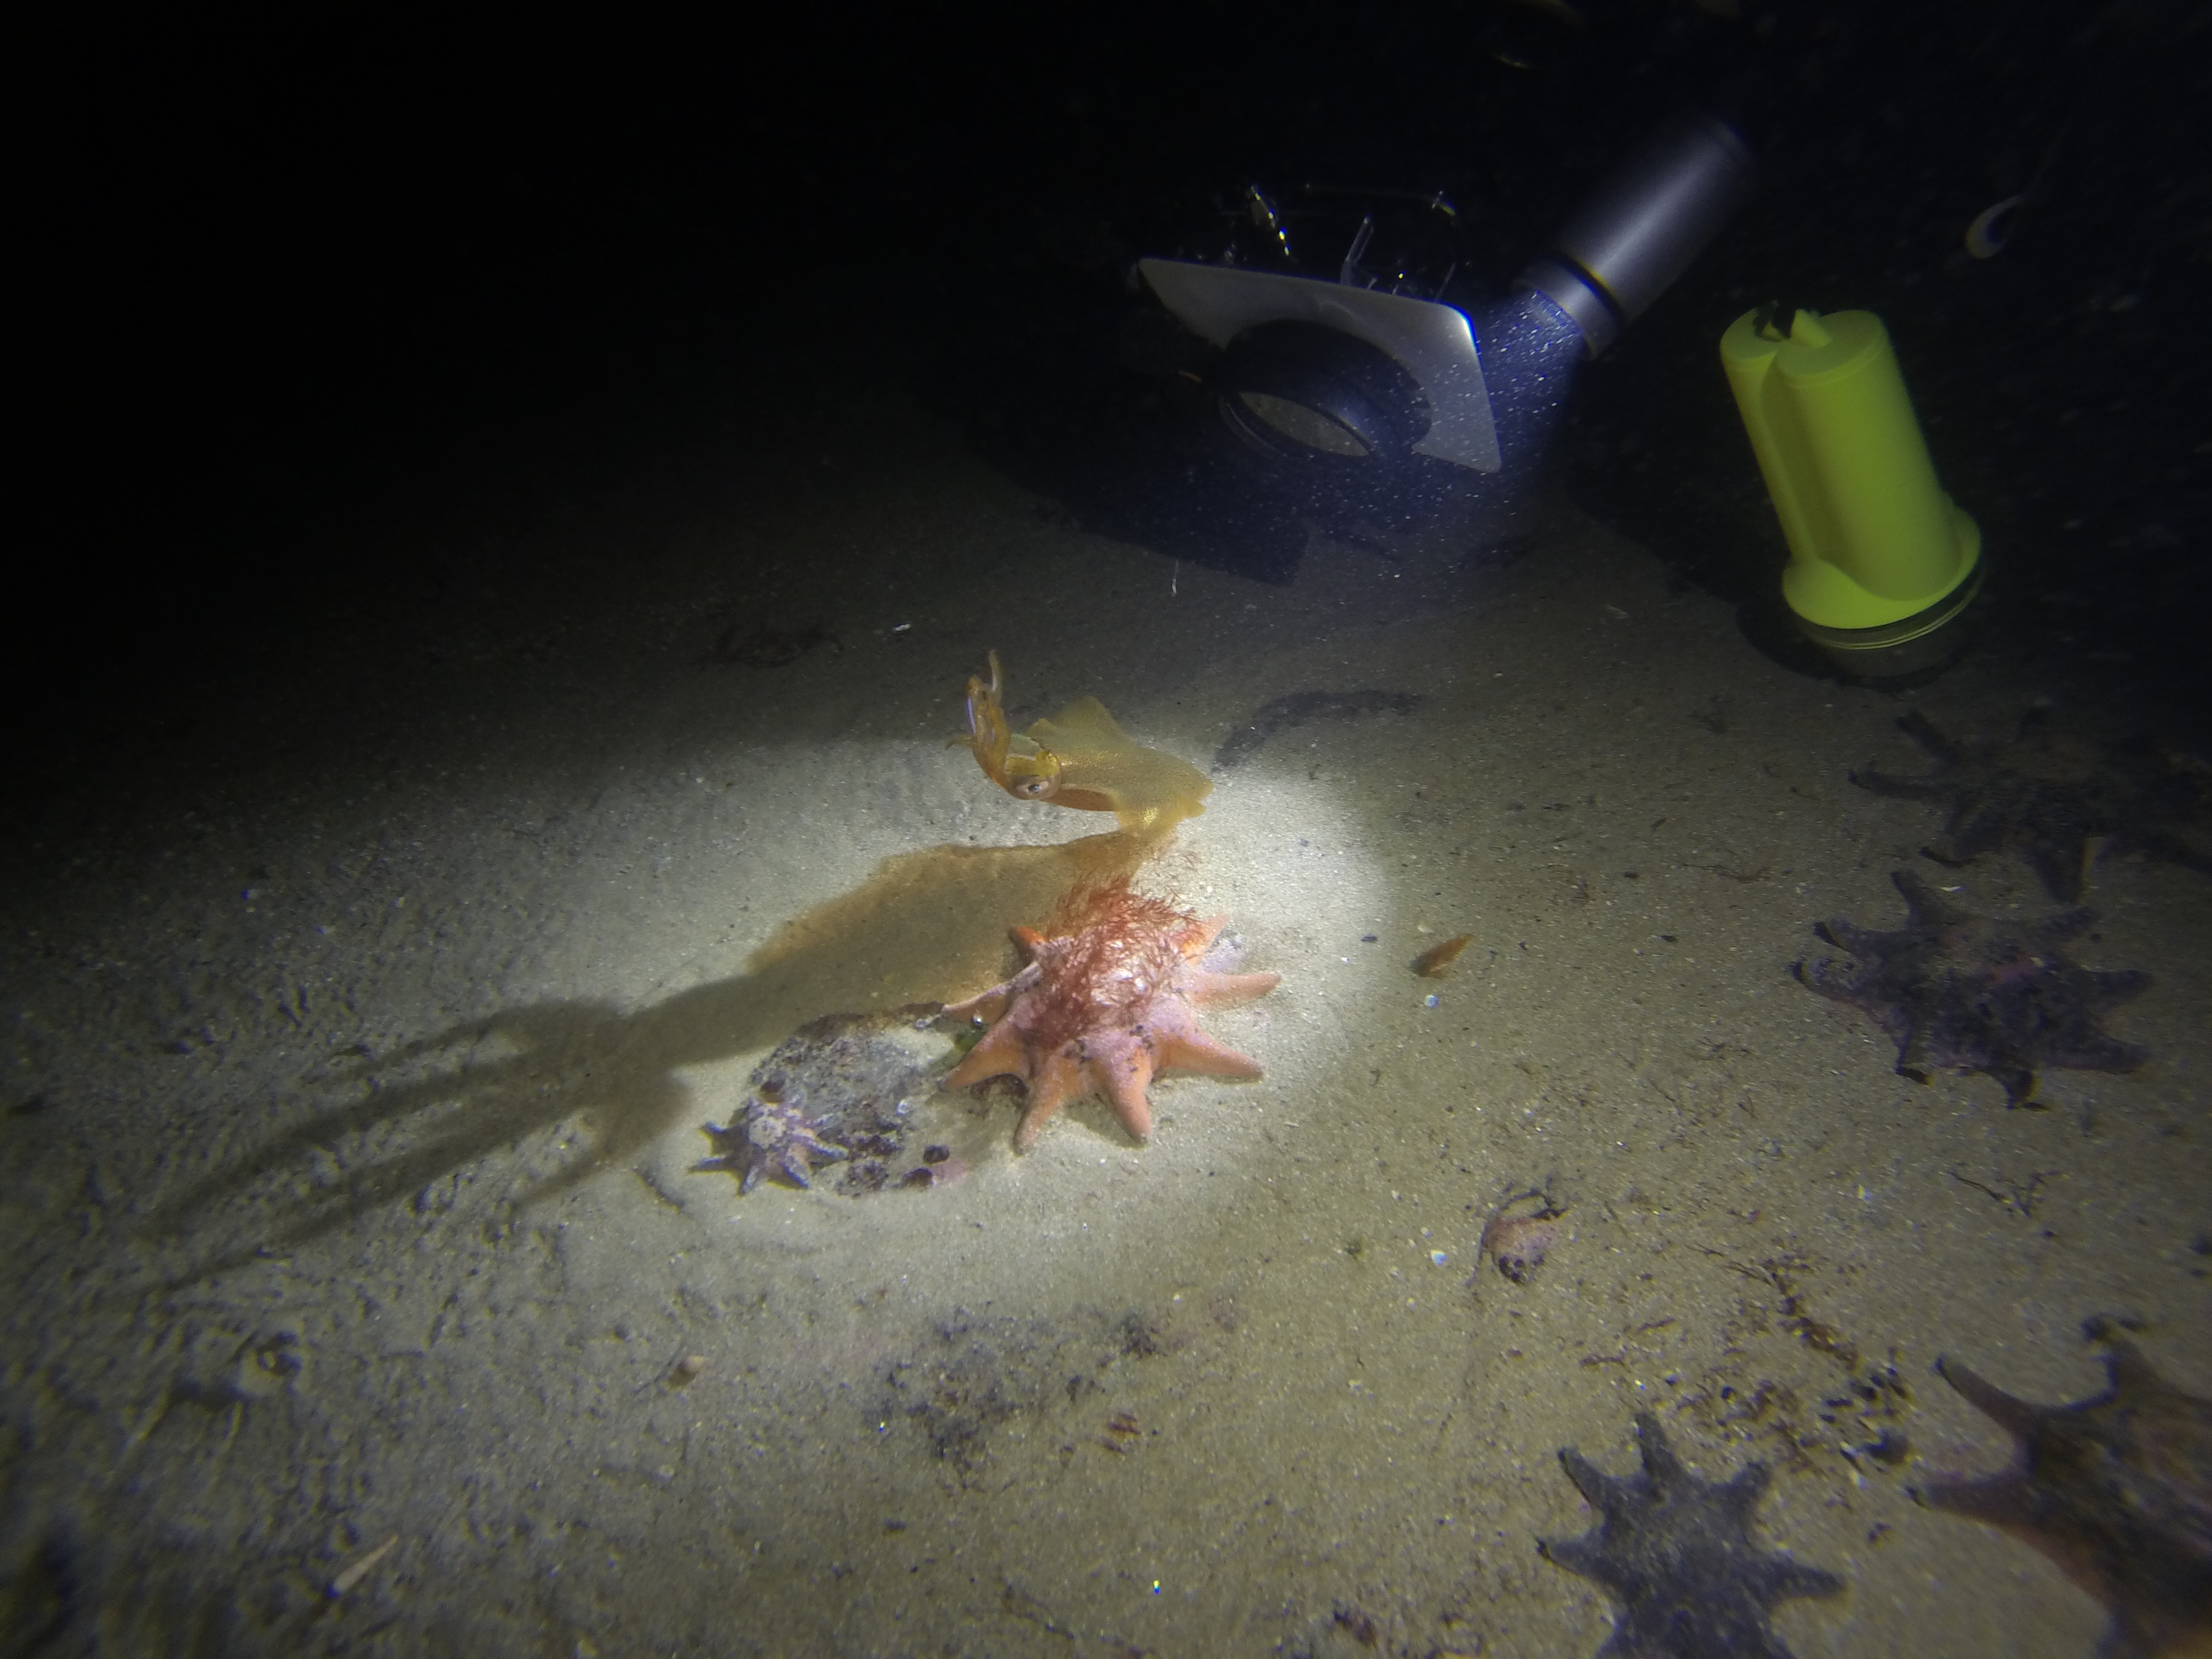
(361, 1568)
(1437, 958)
(1519, 1236)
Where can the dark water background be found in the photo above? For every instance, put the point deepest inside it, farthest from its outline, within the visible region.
(295, 291)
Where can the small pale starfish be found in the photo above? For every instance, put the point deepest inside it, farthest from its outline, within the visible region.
(771, 1138)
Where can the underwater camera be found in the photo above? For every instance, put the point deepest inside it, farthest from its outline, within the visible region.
(1360, 365)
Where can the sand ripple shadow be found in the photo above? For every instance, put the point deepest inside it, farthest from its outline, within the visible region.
(925, 927)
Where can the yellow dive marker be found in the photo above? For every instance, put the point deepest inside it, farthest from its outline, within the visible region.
(1881, 561)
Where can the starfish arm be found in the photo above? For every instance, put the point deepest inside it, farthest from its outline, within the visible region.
(1914, 1048)
(1927, 906)
(1577, 1555)
(1198, 938)
(2062, 869)
(1929, 736)
(990, 1005)
(1589, 1480)
(2011, 1503)
(1895, 1020)
(1000, 1054)
(1194, 1051)
(2015, 1416)
(1861, 942)
(1121, 1065)
(2095, 1052)
(2174, 850)
(2066, 925)
(1830, 978)
(1659, 1460)
(1977, 825)
(1956, 848)
(1786, 1580)
(1058, 1079)
(1202, 986)
(1888, 783)
(2119, 984)
(1741, 1496)
(986, 1006)
(2125, 1368)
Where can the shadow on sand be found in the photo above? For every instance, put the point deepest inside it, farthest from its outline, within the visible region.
(927, 926)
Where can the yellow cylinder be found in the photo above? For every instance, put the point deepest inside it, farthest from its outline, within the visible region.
(1879, 554)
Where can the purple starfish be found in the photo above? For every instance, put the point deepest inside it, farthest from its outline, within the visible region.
(1676, 1554)
(1961, 993)
(772, 1139)
(2117, 1489)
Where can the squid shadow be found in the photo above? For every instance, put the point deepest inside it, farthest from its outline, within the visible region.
(425, 1116)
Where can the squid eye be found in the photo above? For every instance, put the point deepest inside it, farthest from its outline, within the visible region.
(1037, 788)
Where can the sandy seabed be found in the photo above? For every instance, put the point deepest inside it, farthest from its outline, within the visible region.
(364, 1017)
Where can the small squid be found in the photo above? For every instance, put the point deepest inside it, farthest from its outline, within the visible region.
(1081, 760)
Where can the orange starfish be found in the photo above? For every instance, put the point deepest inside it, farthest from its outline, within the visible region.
(1105, 1004)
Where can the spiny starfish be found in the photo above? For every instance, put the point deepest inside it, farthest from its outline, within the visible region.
(1105, 1004)
(2060, 804)
(1676, 1553)
(773, 1138)
(2117, 1489)
(1961, 993)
